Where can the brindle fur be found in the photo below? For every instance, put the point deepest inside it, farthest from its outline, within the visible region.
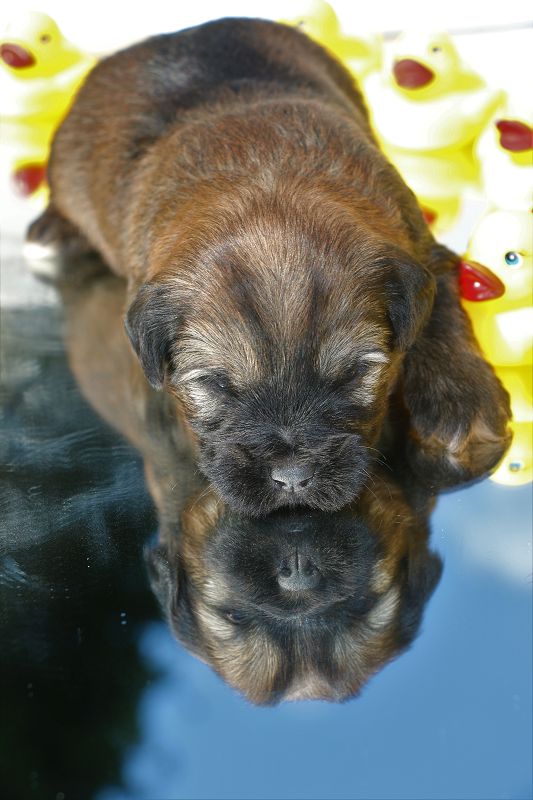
(280, 272)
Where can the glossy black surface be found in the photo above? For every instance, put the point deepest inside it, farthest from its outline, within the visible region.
(99, 701)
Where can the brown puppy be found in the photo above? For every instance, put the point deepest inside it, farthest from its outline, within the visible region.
(297, 605)
(294, 605)
(279, 270)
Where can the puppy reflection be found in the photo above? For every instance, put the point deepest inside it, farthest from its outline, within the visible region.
(296, 605)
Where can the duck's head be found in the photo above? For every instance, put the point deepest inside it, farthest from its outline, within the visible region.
(423, 65)
(503, 326)
(360, 54)
(502, 241)
(32, 46)
(318, 21)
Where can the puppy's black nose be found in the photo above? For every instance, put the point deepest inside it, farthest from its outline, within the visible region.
(298, 573)
(292, 478)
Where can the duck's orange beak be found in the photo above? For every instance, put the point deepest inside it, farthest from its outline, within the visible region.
(411, 74)
(16, 56)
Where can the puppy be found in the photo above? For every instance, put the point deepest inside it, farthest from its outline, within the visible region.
(298, 605)
(290, 606)
(279, 270)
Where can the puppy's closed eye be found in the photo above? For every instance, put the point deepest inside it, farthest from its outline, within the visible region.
(234, 616)
(216, 381)
(366, 364)
(211, 383)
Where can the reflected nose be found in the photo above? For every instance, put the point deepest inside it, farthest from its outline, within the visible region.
(292, 478)
(298, 573)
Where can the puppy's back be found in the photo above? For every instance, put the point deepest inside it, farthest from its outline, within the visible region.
(134, 97)
(151, 82)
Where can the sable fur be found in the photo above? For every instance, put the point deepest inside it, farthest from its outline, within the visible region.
(278, 267)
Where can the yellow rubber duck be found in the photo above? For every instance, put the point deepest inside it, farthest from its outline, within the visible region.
(360, 54)
(503, 240)
(426, 98)
(40, 70)
(504, 326)
(505, 152)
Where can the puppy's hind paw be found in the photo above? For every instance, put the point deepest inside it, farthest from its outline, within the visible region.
(42, 259)
(442, 464)
(51, 241)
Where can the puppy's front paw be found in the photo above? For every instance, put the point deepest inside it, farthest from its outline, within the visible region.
(459, 424)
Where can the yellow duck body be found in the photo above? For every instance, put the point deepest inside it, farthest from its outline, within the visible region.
(360, 54)
(425, 99)
(504, 327)
(438, 180)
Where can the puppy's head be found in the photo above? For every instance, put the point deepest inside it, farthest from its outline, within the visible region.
(283, 342)
(297, 605)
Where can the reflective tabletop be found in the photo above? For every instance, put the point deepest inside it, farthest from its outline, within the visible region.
(103, 694)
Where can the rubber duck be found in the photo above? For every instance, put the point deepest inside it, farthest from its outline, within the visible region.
(502, 241)
(505, 152)
(503, 322)
(360, 54)
(25, 148)
(426, 98)
(40, 70)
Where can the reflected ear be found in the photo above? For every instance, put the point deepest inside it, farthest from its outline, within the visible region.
(411, 291)
(168, 581)
(151, 324)
(163, 584)
(423, 572)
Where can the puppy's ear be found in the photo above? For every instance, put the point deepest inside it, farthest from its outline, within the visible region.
(423, 570)
(410, 291)
(163, 584)
(152, 323)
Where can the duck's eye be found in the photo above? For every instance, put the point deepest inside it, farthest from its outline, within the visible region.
(436, 49)
(45, 38)
(513, 259)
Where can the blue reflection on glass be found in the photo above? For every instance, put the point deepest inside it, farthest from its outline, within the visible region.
(451, 718)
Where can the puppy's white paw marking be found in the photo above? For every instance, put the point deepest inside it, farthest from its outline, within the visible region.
(36, 251)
